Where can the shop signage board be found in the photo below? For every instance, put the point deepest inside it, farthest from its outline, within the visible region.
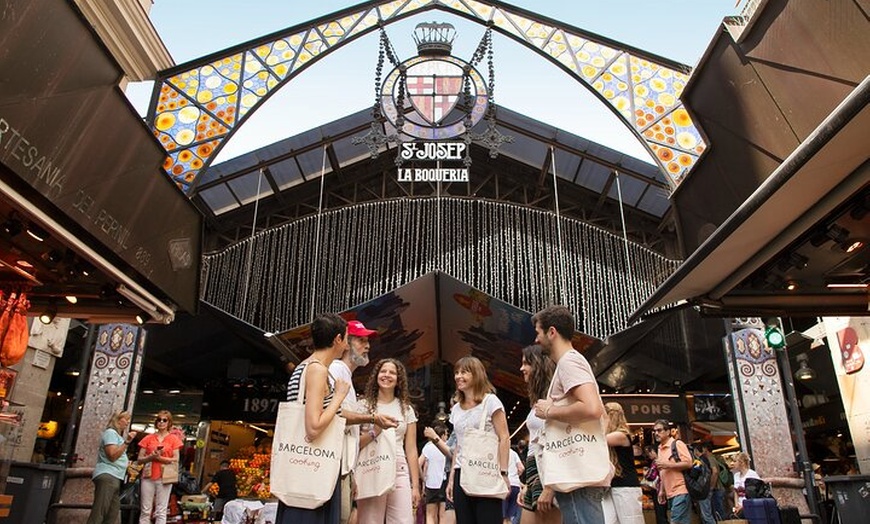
(245, 404)
(849, 341)
(646, 409)
(69, 133)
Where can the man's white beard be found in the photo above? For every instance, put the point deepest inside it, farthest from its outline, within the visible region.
(358, 360)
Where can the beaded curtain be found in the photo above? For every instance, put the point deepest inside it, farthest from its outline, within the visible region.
(508, 251)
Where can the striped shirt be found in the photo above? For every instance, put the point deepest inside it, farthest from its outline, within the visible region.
(293, 386)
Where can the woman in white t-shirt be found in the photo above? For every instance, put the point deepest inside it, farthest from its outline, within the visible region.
(741, 473)
(387, 393)
(475, 399)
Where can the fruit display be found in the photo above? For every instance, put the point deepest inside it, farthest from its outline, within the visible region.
(252, 473)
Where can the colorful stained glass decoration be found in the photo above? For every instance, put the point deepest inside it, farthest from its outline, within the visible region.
(197, 106)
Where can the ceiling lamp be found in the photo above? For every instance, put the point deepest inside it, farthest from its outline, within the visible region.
(36, 232)
(72, 299)
(804, 371)
(853, 245)
(47, 317)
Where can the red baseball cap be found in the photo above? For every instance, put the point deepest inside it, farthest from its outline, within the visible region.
(357, 329)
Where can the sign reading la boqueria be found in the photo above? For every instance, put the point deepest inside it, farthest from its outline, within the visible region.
(434, 152)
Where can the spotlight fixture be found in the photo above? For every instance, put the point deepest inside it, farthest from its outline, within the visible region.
(53, 257)
(853, 245)
(798, 261)
(174, 391)
(804, 371)
(13, 226)
(36, 232)
(48, 315)
(792, 285)
(141, 317)
(72, 299)
(837, 233)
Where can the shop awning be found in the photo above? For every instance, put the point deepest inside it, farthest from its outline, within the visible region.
(825, 177)
(75, 156)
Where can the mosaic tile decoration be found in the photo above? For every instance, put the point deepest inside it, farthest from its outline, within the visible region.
(111, 372)
(197, 106)
(763, 401)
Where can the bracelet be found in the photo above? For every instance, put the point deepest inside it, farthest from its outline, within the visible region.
(373, 418)
(547, 412)
(372, 434)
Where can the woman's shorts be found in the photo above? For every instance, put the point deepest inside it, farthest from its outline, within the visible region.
(533, 483)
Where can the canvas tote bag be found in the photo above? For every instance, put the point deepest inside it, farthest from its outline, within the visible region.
(481, 472)
(303, 474)
(350, 443)
(375, 472)
(574, 455)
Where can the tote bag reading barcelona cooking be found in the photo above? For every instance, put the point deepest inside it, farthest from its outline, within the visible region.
(574, 455)
(303, 474)
(480, 465)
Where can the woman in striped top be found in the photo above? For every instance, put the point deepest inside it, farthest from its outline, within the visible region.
(322, 403)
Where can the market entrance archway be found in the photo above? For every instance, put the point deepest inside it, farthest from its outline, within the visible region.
(197, 106)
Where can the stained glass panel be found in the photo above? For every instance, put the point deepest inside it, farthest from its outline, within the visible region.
(196, 110)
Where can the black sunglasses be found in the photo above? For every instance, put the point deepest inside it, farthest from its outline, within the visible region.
(162, 420)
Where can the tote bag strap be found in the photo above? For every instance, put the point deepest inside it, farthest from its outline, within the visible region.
(482, 424)
(300, 398)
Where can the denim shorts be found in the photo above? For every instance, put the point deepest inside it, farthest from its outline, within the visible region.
(680, 508)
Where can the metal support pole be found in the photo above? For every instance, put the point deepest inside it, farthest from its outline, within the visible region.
(805, 467)
(84, 373)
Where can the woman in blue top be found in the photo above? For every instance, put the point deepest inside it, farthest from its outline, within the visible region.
(110, 470)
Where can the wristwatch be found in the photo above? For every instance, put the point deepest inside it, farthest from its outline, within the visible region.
(504, 473)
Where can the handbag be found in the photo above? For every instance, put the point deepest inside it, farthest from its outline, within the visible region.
(481, 476)
(574, 455)
(375, 472)
(304, 474)
(170, 472)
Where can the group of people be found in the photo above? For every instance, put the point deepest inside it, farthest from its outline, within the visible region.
(159, 456)
(561, 387)
(665, 478)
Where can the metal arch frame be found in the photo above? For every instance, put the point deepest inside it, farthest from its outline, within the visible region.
(192, 124)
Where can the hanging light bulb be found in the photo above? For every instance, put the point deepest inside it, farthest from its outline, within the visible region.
(804, 371)
(441, 416)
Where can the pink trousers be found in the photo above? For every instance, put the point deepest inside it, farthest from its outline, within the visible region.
(392, 508)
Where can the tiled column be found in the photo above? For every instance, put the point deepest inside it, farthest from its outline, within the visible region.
(111, 387)
(760, 404)
(112, 382)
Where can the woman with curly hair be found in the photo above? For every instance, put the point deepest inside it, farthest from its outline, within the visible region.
(536, 500)
(387, 392)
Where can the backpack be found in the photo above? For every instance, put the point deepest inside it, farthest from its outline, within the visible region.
(697, 478)
(757, 489)
(726, 477)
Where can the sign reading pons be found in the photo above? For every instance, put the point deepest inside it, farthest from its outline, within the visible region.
(437, 152)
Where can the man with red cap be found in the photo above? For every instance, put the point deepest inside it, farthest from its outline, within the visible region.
(356, 355)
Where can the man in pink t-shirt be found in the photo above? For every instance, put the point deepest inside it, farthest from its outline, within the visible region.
(572, 380)
(671, 472)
